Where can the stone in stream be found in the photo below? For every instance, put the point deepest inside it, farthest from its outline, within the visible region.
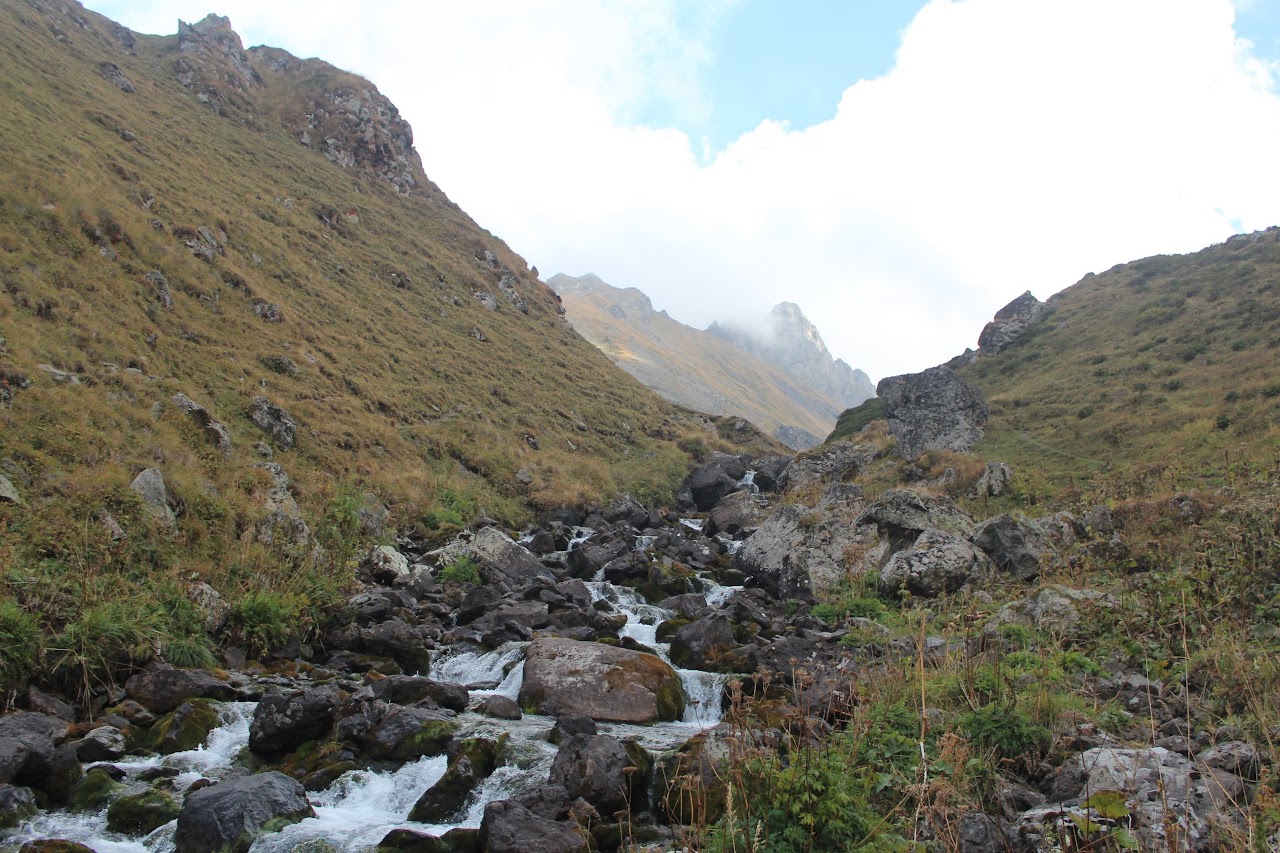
(602, 770)
(161, 687)
(599, 681)
(282, 722)
(472, 761)
(228, 816)
(509, 827)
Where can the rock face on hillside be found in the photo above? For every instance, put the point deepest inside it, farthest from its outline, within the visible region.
(1010, 323)
(933, 410)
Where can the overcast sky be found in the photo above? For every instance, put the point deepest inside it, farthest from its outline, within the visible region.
(900, 169)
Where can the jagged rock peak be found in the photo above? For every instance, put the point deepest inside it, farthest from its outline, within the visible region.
(1010, 323)
(213, 35)
(792, 343)
(629, 303)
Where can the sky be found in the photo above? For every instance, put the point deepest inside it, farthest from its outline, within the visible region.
(901, 169)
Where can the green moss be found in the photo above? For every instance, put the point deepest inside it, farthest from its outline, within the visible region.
(183, 729)
(93, 791)
(430, 739)
(139, 814)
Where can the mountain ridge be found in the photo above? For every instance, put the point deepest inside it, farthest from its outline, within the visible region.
(722, 373)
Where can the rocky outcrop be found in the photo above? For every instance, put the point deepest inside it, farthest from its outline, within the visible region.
(1010, 323)
(502, 562)
(840, 460)
(937, 563)
(228, 816)
(902, 514)
(711, 481)
(798, 549)
(278, 424)
(563, 676)
(1015, 544)
(933, 410)
(215, 432)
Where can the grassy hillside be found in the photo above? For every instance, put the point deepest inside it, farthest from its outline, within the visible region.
(178, 216)
(1161, 373)
(689, 366)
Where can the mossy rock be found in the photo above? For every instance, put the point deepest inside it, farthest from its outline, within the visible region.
(139, 814)
(184, 728)
(668, 629)
(471, 763)
(407, 841)
(94, 790)
(431, 739)
(318, 765)
(54, 845)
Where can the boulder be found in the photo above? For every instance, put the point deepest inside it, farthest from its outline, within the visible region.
(278, 424)
(797, 550)
(139, 814)
(629, 510)
(568, 725)
(457, 840)
(161, 687)
(703, 644)
(1170, 803)
(1053, 610)
(769, 471)
(902, 514)
(738, 514)
(30, 754)
(385, 564)
(149, 484)
(499, 707)
(710, 482)
(215, 432)
(105, 743)
(590, 557)
(1015, 544)
(994, 481)
(184, 728)
(228, 816)
(410, 733)
(96, 788)
(933, 410)
(411, 689)
(16, 805)
(502, 560)
(835, 462)
(443, 802)
(938, 563)
(601, 770)
(564, 676)
(509, 827)
(9, 492)
(1010, 323)
(282, 722)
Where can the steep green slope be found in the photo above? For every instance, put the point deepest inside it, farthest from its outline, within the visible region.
(178, 215)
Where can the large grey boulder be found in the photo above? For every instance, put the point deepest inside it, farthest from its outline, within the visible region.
(278, 424)
(709, 482)
(502, 561)
(563, 676)
(600, 770)
(508, 827)
(215, 432)
(228, 816)
(149, 484)
(30, 755)
(407, 734)
(161, 688)
(703, 644)
(738, 513)
(1010, 323)
(902, 514)
(1172, 804)
(933, 410)
(1015, 544)
(835, 462)
(798, 549)
(282, 722)
(938, 563)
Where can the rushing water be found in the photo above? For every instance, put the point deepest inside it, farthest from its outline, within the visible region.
(361, 807)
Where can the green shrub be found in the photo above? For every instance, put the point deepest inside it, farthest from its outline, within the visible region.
(463, 570)
(1005, 729)
(264, 620)
(101, 641)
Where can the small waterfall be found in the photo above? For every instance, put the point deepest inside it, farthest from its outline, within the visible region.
(748, 481)
(716, 594)
(479, 670)
(704, 691)
(694, 523)
(645, 542)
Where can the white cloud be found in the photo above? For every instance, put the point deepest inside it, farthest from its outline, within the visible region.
(1014, 145)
